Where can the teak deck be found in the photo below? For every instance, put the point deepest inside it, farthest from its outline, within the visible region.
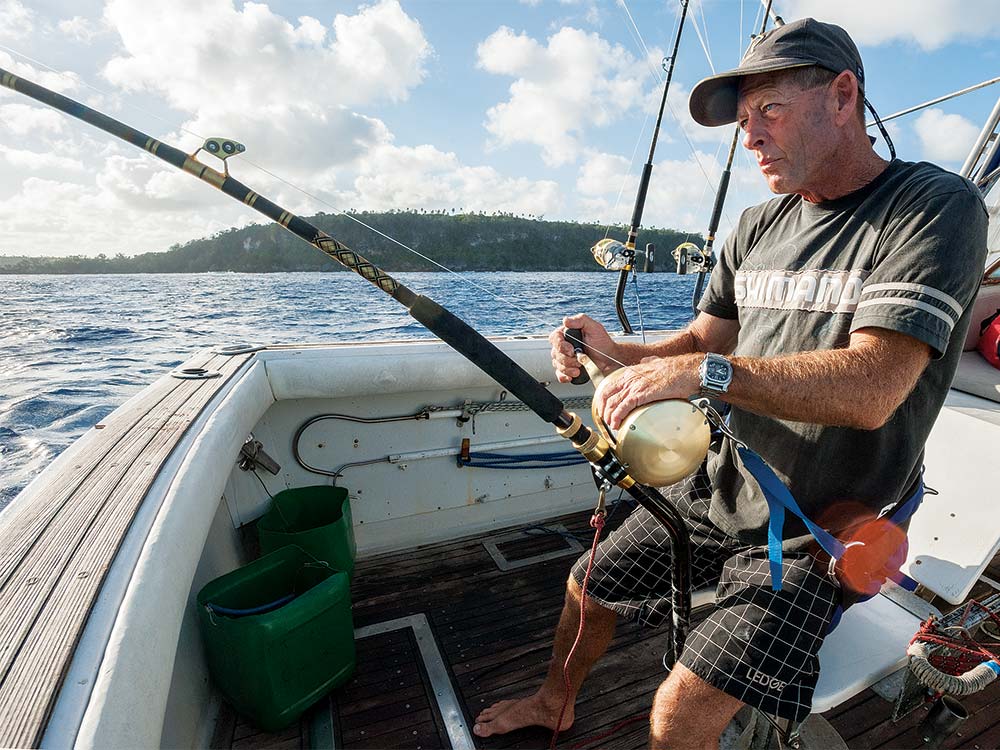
(55, 551)
(494, 631)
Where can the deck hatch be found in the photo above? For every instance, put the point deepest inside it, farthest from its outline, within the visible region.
(437, 674)
(492, 545)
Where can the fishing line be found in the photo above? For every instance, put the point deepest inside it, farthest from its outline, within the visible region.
(79, 79)
(638, 34)
(701, 39)
(245, 160)
(739, 40)
(642, 132)
(506, 300)
(704, 23)
(670, 109)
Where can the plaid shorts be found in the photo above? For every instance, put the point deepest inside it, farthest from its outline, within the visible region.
(757, 645)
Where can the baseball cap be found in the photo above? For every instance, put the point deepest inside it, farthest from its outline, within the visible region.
(794, 45)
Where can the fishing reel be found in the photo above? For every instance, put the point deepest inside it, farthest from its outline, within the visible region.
(613, 255)
(691, 259)
(659, 443)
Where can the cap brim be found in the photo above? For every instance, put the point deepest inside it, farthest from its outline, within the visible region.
(713, 100)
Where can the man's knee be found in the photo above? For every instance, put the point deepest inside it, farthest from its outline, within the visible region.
(574, 592)
(688, 712)
(573, 589)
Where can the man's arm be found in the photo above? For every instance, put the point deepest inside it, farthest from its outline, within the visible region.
(706, 333)
(859, 386)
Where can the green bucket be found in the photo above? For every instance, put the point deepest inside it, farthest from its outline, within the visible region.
(317, 519)
(273, 660)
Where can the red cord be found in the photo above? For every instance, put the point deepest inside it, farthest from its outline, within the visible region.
(597, 523)
(964, 652)
(604, 735)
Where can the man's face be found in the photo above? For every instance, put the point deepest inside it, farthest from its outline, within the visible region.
(790, 131)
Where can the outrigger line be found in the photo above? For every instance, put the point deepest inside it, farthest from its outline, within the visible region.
(445, 325)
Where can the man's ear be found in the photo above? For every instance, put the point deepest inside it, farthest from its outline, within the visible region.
(845, 88)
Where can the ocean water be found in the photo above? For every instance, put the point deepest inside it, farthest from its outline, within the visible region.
(72, 348)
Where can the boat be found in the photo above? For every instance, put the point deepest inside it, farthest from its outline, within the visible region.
(460, 558)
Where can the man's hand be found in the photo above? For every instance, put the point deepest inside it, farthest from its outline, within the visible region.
(598, 345)
(653, 379)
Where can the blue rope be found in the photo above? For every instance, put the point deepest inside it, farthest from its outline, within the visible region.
(231, 612)
(485, 460)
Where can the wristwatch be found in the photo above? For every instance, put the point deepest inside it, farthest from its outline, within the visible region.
(716, 373)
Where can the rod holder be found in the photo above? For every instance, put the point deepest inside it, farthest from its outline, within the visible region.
(945, 717)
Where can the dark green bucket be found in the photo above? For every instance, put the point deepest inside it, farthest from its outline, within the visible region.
(273, 665)
(317, 519)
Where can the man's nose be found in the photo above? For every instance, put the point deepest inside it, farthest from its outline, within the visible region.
(754, 133)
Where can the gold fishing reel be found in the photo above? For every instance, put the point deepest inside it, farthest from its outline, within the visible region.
(613, 255)
(689, 258)
(659, 443)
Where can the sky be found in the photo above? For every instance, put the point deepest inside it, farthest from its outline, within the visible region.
(541, 108)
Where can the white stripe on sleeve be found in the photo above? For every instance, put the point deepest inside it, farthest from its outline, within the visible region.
(919, 289)
(907, 302)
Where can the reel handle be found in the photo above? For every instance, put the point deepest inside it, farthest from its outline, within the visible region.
(576, 343)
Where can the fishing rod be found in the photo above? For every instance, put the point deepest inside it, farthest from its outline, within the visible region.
(703, 261)
(610, 253)
(451, 329)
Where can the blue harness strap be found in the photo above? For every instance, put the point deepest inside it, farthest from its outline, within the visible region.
(779, 499)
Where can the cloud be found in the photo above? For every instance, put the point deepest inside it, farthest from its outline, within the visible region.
(928, 23)
(680, 195)
(576, 81)
(287, 90)
(223, 58)
(424, 176)
(18, 21)
(33, 160)
(25, 119)
(79, 28)
(945, 138)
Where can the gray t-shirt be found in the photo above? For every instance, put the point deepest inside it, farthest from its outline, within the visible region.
(906, 252)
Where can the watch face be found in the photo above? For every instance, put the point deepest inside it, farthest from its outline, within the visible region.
(717, 371)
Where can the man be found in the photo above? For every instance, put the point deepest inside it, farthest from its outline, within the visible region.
(832, 325)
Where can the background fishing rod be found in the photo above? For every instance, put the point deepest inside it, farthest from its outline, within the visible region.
(612, 254)
(703, 261)
(451, 329)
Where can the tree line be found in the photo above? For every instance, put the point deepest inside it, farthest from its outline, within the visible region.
(461, 242)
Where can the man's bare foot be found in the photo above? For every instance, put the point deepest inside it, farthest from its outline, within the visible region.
(532, 711)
